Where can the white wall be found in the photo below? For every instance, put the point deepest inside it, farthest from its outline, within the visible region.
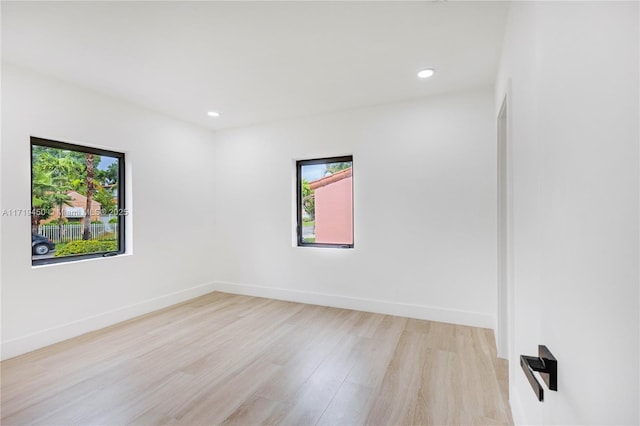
(571, 71)
(424, 211)
(169, 184)
(424, 200)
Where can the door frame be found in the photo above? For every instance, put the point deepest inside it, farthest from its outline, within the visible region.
(504, 326)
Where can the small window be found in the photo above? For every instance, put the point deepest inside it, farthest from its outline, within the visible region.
(325, 202)
(77, 202)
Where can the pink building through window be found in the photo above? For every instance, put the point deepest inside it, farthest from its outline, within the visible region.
(334, 208)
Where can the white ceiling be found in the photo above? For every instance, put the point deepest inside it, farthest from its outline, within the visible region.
(257, 62)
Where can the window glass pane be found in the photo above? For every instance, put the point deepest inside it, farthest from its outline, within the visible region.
(326, 202)
(75, 205)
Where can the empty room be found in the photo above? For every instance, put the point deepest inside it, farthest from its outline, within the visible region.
(320, 213)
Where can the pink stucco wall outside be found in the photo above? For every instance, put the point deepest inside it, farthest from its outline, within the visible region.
(333, 212)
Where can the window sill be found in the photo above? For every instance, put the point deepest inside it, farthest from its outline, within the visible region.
(82, 260)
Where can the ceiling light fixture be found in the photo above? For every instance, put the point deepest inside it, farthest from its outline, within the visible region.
(213, 114)
(426, 73)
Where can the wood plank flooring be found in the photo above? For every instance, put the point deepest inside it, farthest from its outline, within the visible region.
(239, 360)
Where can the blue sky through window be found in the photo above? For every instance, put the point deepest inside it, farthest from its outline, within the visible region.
(313, 172)
(105, 162)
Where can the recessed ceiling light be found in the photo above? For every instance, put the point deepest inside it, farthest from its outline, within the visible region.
(426, 73)
(213, 114)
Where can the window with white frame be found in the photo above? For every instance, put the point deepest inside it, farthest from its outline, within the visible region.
(325, 202)
(77, 202)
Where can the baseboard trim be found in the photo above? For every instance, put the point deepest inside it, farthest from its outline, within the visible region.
(49, 336)
(424, 312)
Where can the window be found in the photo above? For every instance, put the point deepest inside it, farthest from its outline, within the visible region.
(325, 202)
(77, 202)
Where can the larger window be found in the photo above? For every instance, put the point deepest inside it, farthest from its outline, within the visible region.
(77, 202)
(325, 202)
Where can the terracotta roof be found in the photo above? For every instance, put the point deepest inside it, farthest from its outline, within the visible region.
(76, 196)
(342, 174)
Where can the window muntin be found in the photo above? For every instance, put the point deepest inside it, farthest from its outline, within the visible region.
(325, 202)
(77, 202)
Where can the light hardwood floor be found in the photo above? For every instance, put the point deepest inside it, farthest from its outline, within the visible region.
(229, 359)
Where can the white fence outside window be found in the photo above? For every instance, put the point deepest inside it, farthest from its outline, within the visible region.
(71, 232)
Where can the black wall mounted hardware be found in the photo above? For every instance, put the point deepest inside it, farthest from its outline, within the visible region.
(545, 364)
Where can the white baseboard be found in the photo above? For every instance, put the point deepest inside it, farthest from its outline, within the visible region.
(430, 313)
(49, 336)
(42, 338)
